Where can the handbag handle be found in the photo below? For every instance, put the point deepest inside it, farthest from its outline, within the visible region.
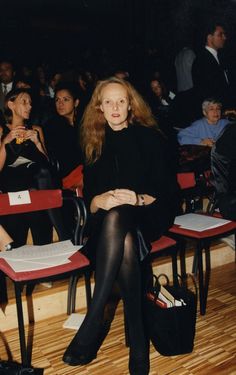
(156, 285)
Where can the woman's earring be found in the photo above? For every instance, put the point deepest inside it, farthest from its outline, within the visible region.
(75, 114)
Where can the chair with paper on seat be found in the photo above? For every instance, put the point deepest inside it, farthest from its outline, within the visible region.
(203, 240)
(78, 263)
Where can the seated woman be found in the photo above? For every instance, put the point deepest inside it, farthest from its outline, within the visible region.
(24, 165)
(160, 100)
(207, 129)
(130, 192)
(61, 131)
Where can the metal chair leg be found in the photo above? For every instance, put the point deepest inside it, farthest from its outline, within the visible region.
(201, 279)
(21, 327)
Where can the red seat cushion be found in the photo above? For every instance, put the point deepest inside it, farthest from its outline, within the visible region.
(78, 261)
(209, 233)
(163, 243)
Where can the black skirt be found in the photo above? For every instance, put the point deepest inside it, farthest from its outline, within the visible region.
(147, 226)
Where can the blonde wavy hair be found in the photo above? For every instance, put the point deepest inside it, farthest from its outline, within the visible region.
(93, 122)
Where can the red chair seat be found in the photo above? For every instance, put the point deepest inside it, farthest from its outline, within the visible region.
(203, 240)
(78, 261)
(210, 233)
(79, 264)
(162, 243)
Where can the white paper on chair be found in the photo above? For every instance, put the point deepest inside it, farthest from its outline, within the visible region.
(32, 257)
(199, 222)
(26, 266)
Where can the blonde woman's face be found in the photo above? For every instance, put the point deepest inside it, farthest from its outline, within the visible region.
(115, 105)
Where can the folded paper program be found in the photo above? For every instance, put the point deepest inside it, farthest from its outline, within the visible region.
(198, 222)
(31, 257)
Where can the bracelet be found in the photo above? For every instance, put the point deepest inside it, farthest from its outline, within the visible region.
(142, 201)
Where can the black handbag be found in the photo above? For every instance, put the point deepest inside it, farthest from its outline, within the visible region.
(171, 329)
(13, 368)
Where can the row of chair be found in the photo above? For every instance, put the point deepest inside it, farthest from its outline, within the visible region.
(174, 244)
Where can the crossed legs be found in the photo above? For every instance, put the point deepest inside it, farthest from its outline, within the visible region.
(117, 259)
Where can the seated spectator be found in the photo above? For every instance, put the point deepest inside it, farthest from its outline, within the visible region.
(24, 165)
(62, 130)
(160, 96)
(131, 195)
(160, 100)
(7, 79)
(205, 130)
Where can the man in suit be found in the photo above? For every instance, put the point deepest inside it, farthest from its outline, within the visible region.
(7, 74)
(210, 78)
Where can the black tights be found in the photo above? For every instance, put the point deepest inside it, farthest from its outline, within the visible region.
(117, 258)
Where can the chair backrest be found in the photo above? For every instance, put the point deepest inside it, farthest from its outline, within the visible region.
(37, 200)
(11, 203)
(186, 180)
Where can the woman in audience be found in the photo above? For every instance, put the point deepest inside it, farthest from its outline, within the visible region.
(130, 192)
(24, 165)
(161, 97)
(205, 130)
(160, 100)
(61, 131)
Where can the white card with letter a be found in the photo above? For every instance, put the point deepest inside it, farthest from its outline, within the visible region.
(19, 197)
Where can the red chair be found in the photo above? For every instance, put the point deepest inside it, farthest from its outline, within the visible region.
(187, 182)
(203, 242)
(79, 264)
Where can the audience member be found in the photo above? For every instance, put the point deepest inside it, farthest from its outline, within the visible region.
(7, 74)
(24, 165)
(53, 79)
(160, 100)
(62, 130)
(183, 68)
(130, 193)
(205, 130)
(210, 77)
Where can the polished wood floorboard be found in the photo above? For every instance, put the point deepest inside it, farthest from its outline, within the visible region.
(214, 351)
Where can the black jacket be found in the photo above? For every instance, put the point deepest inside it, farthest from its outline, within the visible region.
(209, 78)
(136, 158)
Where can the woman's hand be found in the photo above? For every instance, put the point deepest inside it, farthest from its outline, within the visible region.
(126, 196)
(32, 135)
(15, 133)
(207, 142)
(113, 198)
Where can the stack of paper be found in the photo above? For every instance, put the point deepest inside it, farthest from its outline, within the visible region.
(32, 257)
(199, 222)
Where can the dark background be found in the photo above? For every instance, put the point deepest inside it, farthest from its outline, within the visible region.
(63, 31)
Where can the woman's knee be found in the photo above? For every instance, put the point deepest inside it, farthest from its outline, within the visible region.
(118, 216)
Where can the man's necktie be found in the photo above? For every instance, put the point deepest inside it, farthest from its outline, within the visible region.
(4, 90)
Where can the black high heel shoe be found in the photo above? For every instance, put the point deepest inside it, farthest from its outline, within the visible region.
(139, 365)
(81, 354)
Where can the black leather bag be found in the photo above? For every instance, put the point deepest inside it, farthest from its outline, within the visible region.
(171, 330)
(13, 368)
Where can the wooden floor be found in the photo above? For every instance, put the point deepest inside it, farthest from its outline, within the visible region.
(214, 351)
